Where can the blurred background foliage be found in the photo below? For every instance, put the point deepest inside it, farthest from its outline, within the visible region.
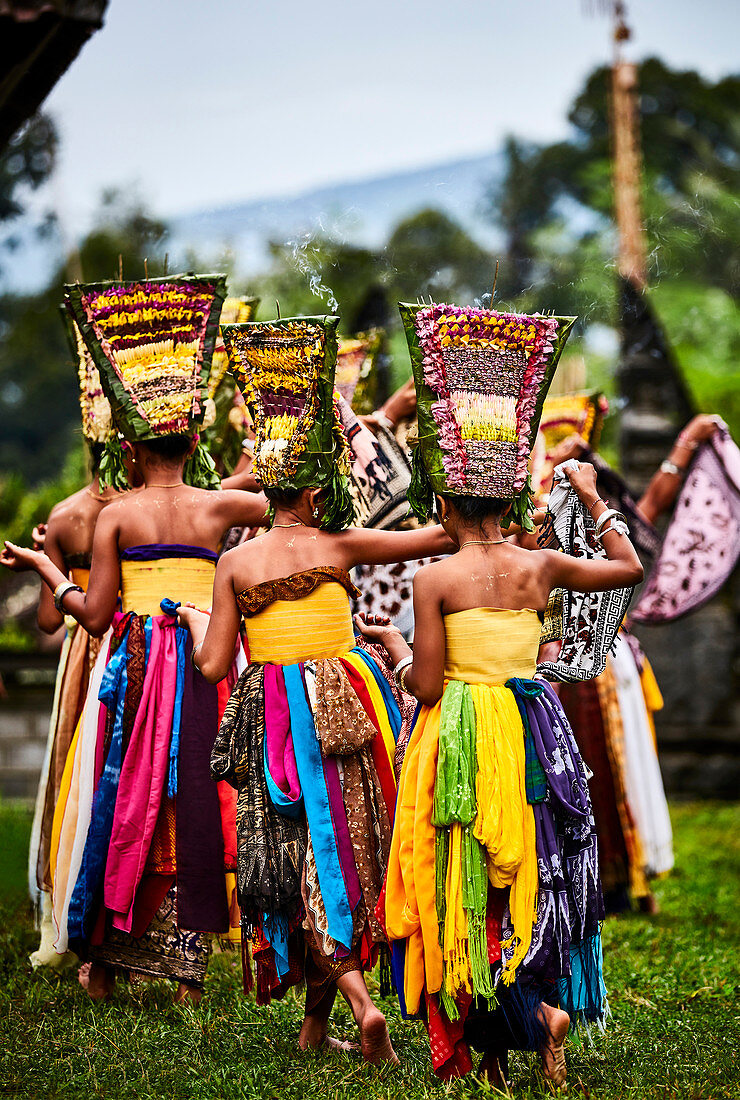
(552, 207)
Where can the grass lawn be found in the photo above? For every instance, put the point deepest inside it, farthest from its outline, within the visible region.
(673, 984)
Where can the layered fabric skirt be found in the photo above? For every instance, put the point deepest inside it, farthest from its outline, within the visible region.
(493, 901)
(138, 850)
(76, 661)
(612, 719)
(309, 749)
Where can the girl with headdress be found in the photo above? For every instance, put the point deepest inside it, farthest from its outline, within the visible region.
(308, 736)
(137, 847)
(492, 899)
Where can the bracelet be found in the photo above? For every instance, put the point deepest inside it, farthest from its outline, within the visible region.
(597, 501)
(192, 655)
(686, 441)
(668, 467)
(61, 591)
(402, 680)
(400, 668)
(614, 527)
(610, 513)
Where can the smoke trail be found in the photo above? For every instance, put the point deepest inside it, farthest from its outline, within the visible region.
(305, 256)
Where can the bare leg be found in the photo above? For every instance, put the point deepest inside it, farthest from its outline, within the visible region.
(494, 1068)
(314, 1032)
(188, 995)
(97, 980)
(557, 1023)
(375, 1041)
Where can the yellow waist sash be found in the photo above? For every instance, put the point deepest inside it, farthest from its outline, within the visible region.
(145, 583)
(318, 625)
(80, 576)
(489, 645)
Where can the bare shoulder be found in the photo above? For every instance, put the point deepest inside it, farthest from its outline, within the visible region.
(236, 565)
(434, 575)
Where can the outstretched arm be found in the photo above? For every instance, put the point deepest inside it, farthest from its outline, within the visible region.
(665, 484)
(214, 635)
(93, 610)
(424, 678)
(240, 508)
(365, 546)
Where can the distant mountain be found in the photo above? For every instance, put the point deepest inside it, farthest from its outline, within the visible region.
(362, 212)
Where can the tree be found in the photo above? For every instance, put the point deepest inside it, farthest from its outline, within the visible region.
(429, 253)
(38, 393)
(25, 165)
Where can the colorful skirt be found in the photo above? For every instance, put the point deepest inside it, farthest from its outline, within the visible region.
(138, 842)
(492, 894)
(309, 748)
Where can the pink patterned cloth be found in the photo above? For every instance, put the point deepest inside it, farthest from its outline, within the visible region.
(143, 775)
(702, 544)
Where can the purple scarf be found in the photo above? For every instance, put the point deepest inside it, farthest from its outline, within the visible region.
(702, 544)
(566, 938)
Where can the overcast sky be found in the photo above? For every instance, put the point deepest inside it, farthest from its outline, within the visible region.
(206, 103)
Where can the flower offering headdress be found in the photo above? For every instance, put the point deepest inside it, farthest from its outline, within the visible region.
(285, 369)
(355, 376)
(234, 311)
(97, 421)
(152, 342)
(481, 378)
(573, 413)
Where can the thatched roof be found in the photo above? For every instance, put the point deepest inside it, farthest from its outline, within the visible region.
(39, 40)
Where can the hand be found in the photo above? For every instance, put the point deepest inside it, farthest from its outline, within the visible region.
(583, 480)
(20, 558)
(376, 628)
(701, 428)
(188, 615)
(39, 535)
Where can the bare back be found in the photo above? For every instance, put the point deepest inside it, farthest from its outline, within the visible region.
(502, 576)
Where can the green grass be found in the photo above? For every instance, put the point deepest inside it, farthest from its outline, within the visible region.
(673, 982)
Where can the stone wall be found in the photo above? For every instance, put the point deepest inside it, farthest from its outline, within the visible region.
(25, 709)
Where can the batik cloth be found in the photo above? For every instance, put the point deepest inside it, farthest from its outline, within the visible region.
(702, 544)
(307, 739)
(493, 798)
(590, 619)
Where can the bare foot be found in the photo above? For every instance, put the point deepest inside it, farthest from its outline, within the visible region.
(375, 1041)
(188, 995)
(556, 1023)
(493, 1070)
(96, 980)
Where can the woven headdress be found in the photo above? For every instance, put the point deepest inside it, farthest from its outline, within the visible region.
(356, 377)
(152, 342)
(97, 421)
(285, 370)
(481, 378)
(226, 419)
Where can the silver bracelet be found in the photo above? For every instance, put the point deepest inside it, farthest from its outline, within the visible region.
(616, 526)
(192, 655)
(668, 467)
(400, 668)
(608, 514)
(61, 591)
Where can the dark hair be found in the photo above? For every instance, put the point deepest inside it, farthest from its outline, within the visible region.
(169, 446)
(476, 509)
(96, 454)
(282, 497)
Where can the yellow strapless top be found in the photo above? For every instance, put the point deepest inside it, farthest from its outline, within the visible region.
(80, 576)
(145, 583)
(316, 626)
(488, 645)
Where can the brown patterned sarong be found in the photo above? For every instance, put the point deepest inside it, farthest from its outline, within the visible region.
(163, 951)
